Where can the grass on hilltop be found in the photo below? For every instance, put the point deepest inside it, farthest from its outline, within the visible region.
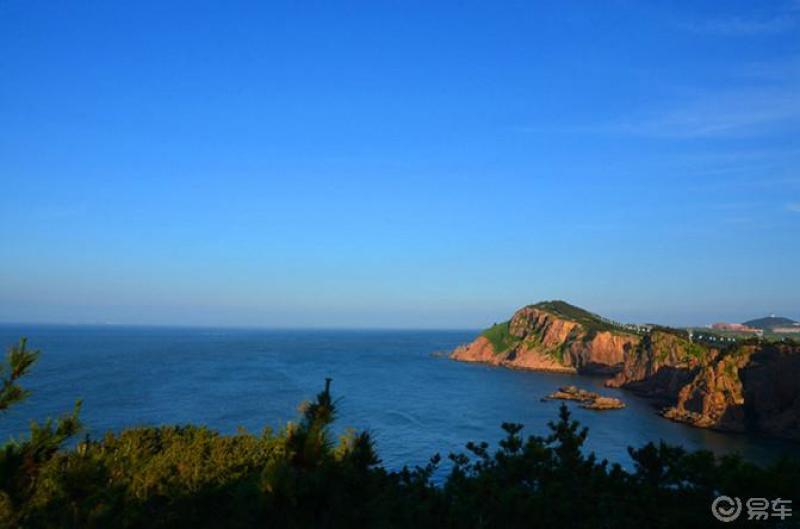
(590, 321)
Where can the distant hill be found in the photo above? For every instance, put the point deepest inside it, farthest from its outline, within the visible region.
(770, 322)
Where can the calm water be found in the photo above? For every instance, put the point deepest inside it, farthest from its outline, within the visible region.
(415, 403)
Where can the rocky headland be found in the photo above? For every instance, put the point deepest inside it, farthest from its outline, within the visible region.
(749, 385)
(551, 336)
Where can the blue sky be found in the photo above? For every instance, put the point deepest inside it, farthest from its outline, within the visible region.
(397, 164)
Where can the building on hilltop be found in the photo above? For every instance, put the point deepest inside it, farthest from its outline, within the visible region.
(737, 327)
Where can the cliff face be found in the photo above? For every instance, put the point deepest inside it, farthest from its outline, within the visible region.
(749, 387)
(713, 397)
(660, 365)
(536, 338)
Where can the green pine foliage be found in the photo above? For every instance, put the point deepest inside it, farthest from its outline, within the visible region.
(18, 361)
(299, 477)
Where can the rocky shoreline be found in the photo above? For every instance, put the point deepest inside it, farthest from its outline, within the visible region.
(748, 386)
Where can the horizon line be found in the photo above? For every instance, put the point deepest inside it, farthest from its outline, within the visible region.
(233, 326)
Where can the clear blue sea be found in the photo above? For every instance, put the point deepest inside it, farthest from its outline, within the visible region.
(389, 382)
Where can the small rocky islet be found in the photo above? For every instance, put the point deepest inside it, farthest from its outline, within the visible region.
(586, 399)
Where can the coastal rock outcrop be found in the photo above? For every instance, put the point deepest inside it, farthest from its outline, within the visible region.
(545, 337)
(750, 385)
(746, 387)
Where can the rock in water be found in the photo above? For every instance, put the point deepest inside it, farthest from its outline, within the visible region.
(588, 399)
(604, 403)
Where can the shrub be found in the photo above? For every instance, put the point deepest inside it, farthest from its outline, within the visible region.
(193, 477)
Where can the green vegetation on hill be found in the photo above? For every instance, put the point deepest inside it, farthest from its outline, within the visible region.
(683, 334)
(696, 351)
(500, 337)
(770, 322)
(664, 341)
(192, 477)
(590, 321)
